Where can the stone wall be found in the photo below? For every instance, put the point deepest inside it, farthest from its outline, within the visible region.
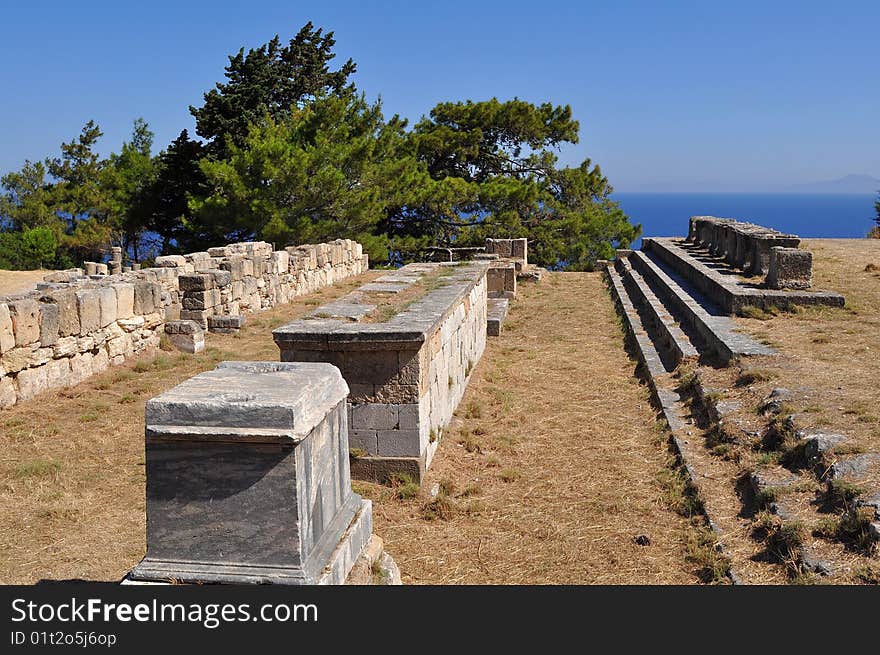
(406, 374)
(73, 325)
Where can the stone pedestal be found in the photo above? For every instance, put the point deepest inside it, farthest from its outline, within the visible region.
(790, 268)
(248, 478)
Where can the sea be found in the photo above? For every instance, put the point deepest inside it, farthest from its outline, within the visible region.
(842, 216)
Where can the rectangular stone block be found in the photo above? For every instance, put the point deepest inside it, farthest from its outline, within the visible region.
(80, 367)
(196, 282)
(235, 267)
(374, 416)
(398, 443)
(68, 311)
(65, 347)
(201, 299)
(7, 335)
(147, 297)
(107, 301)
(25, 316)
(171, 261)
(57, 373)
(89, 308)
(790, 268)
(8, 393)
(247, 476)
(31, 382)
(124, 300)
(49, 318)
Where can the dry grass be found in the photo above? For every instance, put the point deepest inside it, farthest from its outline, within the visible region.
(19, 281)
(829, 356)
(563, 471)
(556, 459)
(72, 471)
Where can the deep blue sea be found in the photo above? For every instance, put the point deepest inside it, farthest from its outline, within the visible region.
(807, 215)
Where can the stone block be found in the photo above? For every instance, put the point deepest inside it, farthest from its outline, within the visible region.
(49, 320)
(222, 278)
(31, 382)
(790, 268)
(68, 311)
(170, 261)
(226, 324)
(147, 297)
(101, 269)
(248, 478)
(192, 342)
(235, 267)
(89, 309)
(201, 299)
(15, 360)
(25, 314)
(8, 394)
(398, 443)
(124, 300)
(80, 367)
(7, 334)
(100, 361)
(195, 282)
(65, 347)
(372, 416)
(220, 251)
(58, 373)
(107, 301)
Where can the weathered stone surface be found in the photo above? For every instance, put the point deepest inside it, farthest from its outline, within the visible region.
(49, 320)
(216, 323)
(790, 268)
(8, 395)
(247, 478)
(68, 312)
(65, 347)
(124, 300)
(80, 367)
(16, 359)
(147, 297)
(25, 315)
(131, 324)
(197, 300)
(58, 373)
(193, 342)
(89, 308)
(183, 327)
(107, 301)
(7, 335)
(32, 381)
(170, 261)
(196, 282)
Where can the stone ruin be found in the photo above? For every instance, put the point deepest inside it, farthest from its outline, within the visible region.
(248, 479)
(755, 250)
(78, 322)
(407, 372)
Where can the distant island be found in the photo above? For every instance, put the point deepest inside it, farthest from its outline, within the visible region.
(846, 184)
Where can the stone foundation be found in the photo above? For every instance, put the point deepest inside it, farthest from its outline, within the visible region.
(406, 374)
(73, 325)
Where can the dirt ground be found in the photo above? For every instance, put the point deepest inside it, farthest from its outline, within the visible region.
(19, 281)
(552, 469)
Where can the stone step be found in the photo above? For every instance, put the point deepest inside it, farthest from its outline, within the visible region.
(720, 283)
(496, 312)
(712, 332)
(672, 344)
(645, 350)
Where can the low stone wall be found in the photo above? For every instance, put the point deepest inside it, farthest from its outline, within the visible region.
(407, 373)
(73, 326)
(744, 245)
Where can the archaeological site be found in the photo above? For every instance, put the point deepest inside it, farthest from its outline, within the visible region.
(701, 410)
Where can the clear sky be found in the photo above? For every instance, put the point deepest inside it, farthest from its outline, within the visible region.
(670, 95)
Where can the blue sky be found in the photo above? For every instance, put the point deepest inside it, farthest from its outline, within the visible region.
(670, 95)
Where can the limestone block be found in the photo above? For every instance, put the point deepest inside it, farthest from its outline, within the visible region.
(147, 297)
(65, 347)
(226, 324)
(373, 416)
(49, 319)
(170, 261)
(195, 282)
(38, 356)
(107, 302)
(201, 299)
(58, 373)
(235, 267)
(281, 261)
(124, 300)
(25, 315)
(131, 324)
(89, 308)
(31, 382)
(7, 335)
(221, 251)
(398, 443)
(80, 367)
(154, 320)
(222, 278)
(8, 394)
(101, 269)
(790, 268)
(100, 361)
(68, 312)
(15, 360)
